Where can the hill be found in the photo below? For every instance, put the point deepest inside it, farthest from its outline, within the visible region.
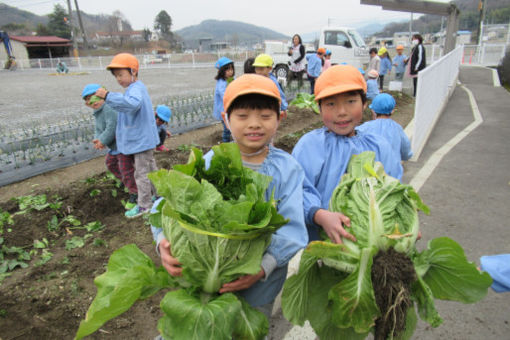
(13, 15)
(234, 32)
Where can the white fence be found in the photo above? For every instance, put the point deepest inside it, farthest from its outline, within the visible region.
(174, 60)
(435, 85)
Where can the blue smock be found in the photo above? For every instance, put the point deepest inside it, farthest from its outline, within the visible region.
(136, 126)
(498, 267)
(219, 91)
(385, 66)
(393, 133)
(399, 61)
(286, 241)
(314, 65)
(324, 157)
(372, 88)
(105, 123)
(283, 105)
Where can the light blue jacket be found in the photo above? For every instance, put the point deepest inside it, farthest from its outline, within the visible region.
(314, 65)
(136, 126)
(284, 105)
(105, 123)
(399, 61)
(221, 86)
(288, 240)
(372, 88)
(385, 66)
(324, 157)
(393, 133)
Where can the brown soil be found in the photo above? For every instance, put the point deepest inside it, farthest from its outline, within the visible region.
(48, 301)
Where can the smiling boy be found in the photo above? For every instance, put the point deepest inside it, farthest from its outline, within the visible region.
(252, 114)
(325, 153)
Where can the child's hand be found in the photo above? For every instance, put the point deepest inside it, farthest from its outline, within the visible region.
(168, 133)
(333, 224)
(101, 92)
(97, 144)
(171, 264)
(244, 282)
(283, 114)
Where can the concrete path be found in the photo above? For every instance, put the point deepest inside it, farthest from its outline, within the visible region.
(466, 184)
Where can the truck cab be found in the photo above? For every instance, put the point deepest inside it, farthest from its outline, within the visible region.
(346, 46)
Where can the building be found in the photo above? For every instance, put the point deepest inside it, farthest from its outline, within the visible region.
(33, 47)
(402, 38)
(120, 36)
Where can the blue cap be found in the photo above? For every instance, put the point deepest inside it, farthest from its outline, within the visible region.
(164, 113)
(90, 89)
(222, 62)
(383, 104)
(361, 70)
(328, 52)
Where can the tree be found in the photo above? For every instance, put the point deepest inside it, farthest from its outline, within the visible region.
(58, 24)
(146, 34)
(42, 30)
(163, 23)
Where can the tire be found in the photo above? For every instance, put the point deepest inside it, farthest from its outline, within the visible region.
(282, 71)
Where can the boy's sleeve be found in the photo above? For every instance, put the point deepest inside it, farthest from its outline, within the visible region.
(284, 104)
(128, 103)
(292, 237)
(389, 158)
(405, 147)
(312, 200)
(107, 136)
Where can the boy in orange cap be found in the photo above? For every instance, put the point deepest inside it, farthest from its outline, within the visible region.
(399, 63)
(252, 113)
(136, 131)
(314, 67)
(324, 153)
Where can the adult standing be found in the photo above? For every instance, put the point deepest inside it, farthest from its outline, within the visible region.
(418, 59)
(297, 64)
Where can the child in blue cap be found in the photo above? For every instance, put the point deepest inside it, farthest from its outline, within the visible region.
(163, 114)
(105, 118)
(226, 72)
(382, 107)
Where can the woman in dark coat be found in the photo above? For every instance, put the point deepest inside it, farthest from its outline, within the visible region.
(418, 59)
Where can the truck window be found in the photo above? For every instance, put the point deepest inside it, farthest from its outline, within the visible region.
(336, 38)
(357, 38)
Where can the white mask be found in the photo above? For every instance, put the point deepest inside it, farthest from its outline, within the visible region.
(414, 42)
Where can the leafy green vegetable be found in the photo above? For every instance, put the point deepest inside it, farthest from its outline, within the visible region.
(305, 100)
(219, 224)
(384, 218)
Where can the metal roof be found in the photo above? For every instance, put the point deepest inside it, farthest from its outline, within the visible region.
(39, 39)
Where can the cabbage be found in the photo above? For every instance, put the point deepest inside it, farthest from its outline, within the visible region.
(219, 225)
(334, 287)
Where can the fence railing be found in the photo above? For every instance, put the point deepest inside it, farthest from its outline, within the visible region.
(435, 85)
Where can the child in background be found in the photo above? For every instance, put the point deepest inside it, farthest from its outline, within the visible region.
(375, 61)
(248, 65)
(263, 65)
(226, 72)
(385, 67)
(105, 120)
(163, 114)
(252, 113)
(136, 131)
(382, 107)
(324, 153)
(314, 67)
(372, 87)
(327, 61)
(399, 63)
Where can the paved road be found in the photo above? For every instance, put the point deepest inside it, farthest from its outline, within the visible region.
(469, 197)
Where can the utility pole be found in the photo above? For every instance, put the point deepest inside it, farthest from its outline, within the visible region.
(479, 32)
(70, 21)
(83, 34)
(411, 29)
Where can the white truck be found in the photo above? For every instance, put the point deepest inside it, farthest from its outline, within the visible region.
(346, 46)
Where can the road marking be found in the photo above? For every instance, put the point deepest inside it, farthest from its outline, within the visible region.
(424, 173)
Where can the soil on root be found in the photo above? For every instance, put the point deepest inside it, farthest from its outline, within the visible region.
(392, 276)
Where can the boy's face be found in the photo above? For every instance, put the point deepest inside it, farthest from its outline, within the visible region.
(252, 128)
(342, 112)
(372, 54)
(229, 72)
(95, 105)
(399, 52)
(263, 71)
(159, 121)
(123, 77)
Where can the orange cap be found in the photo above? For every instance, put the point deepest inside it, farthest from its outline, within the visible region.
(400, 47)
(321, 50)
(124, 60)
(250, 83)
(339, 79)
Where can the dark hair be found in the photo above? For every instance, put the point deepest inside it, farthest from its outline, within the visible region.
(223, 69)
(248, 65)
(372, 50)
(299, 37)
(419, 37)
(255, 101)
(361, 93)
(122, 68)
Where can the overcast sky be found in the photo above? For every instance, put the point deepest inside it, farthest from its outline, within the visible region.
(284, 16)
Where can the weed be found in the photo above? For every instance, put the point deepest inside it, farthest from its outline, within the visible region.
(99, 243)
(94, 192)
(45, 257)
(65, 260)
(75, 242)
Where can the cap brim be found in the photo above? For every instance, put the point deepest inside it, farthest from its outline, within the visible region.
(260, 65)
(115, 66)
(250, 91)
(332, 90)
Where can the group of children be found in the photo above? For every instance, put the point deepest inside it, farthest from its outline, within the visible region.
(251, 108)
(380, 65)
(127, 125)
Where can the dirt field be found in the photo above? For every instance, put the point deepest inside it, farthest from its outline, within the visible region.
(48, 300)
